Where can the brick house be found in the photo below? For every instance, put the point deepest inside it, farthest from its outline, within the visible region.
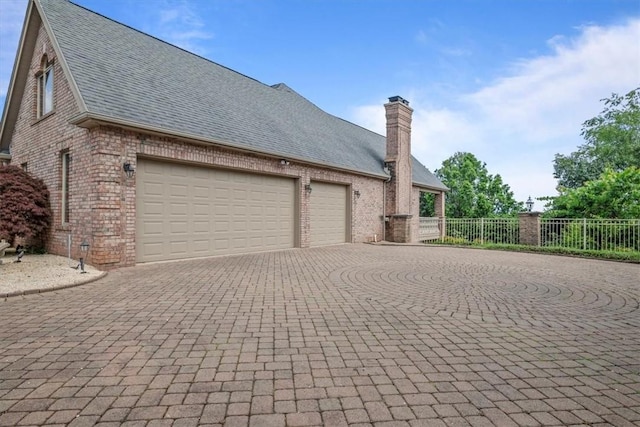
(153, 153)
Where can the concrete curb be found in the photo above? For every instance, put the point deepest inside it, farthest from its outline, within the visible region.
(7, 295)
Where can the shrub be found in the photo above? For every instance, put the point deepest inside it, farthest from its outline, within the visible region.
(25, 210)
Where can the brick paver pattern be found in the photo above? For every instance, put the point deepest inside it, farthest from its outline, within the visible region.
(358, 335)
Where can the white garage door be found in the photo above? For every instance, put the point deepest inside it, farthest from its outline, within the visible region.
(328, 213)
(189, 211)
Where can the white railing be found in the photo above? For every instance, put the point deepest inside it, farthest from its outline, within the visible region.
(585, 234)
(482, 230)
(591, 234)
(429, 229)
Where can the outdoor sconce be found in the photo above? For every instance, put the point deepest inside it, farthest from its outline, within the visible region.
(284, 162)
(84, 248)
(129, 170)
(356, 193)
(529, 204)
(308, 188)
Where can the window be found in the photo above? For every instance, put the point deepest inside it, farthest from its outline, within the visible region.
(66, 162)
(24, 166)
(45, 90)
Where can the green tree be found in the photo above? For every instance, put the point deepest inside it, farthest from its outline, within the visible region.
(612, 141)
(427, 205)
(473, 192)
(616, 194)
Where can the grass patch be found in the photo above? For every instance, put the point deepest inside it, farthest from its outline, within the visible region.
(625, 256)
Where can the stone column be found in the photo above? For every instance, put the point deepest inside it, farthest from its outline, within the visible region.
(439, 203)
(529, 228)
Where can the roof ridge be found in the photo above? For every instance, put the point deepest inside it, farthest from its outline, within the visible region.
(284, 87)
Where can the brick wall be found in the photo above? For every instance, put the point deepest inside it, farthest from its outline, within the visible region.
(39, 142)
(103, 200)
(116, 236)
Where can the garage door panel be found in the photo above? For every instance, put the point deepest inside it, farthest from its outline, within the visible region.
(213, 212)
(153, 249)
(328, 212)
(200, 192)
(201, 209)
(201, 246)
(178, 228)
(201, 227)
(178, 247)
(153, 188)
(152, 208)
(153, 227)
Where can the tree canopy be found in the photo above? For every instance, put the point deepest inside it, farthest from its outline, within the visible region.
(602, 178)
(612, 141)
(24, 206)
(473, 192)
(613, 195)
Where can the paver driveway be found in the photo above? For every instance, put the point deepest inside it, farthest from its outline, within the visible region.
(352, 334)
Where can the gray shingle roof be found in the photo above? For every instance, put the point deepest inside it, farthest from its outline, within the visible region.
(124, 74)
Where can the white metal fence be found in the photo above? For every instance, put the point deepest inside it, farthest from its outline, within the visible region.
(592, 234)
(481, 230)
(586, 234)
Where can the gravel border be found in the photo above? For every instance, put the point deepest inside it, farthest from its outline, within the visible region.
(42, 273)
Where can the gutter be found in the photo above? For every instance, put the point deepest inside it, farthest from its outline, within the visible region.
(90, 120)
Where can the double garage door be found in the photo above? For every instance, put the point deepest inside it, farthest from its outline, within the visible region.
(186, 211)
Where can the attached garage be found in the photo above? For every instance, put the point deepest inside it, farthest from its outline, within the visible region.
(328, 213)
(186, 211)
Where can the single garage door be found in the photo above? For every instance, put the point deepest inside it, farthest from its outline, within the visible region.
(328, 213)
(186, 211)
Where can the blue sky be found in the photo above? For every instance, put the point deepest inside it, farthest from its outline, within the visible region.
(510, 81)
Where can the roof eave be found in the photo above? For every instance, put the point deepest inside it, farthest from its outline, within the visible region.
(63, 63)
(33, 18)
(18, 76)
(91, 120)
(430, 187)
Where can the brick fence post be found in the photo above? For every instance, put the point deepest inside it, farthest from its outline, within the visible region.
(529, 223)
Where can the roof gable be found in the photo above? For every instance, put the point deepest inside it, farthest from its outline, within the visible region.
(125, 76)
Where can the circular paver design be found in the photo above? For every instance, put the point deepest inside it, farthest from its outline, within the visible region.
(338, 336)
(492, 292)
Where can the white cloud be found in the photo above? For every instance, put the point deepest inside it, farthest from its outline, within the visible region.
(180, 24)
(519, 121)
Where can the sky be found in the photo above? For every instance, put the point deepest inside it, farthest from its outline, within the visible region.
(510, 81)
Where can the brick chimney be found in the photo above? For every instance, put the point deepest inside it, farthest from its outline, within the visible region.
(398, 160)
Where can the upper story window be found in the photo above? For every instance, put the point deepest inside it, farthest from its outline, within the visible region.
(45, 88)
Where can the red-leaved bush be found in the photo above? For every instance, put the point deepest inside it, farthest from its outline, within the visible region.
(25, 210)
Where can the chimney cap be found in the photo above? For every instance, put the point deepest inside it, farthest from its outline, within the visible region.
(399, 99)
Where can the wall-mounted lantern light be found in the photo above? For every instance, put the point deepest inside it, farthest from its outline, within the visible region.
(84, 249)
(308, 188)
(128, 169)
(356, 193)
(529, 204)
